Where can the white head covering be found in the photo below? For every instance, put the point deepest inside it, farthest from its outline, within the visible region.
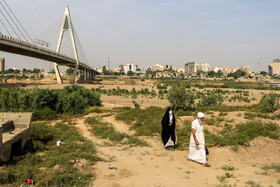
(200, 115)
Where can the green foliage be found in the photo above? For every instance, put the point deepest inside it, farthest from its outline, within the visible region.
(274, 166)
(44, 114)
(243, 133)
(236, 74)
(70, 71)
(45, 103)
(146, 122)
(228, 168)
(107, 131)
(183, 134)
(253, 183)
(224, 177)
(29, 163)
(210, 121)
(269, 103)
(211, 100)
(137, 105)
(180, 99)
(125, 93)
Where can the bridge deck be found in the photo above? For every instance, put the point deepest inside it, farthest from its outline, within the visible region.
(11, 45)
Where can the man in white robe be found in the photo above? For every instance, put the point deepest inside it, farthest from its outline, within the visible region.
(197, 142)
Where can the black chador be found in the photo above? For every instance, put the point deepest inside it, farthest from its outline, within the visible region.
(168, 129)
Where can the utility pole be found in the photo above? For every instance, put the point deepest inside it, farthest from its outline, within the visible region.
(108, 63)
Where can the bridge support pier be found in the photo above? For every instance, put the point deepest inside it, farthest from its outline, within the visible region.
(85, 74)
(57, 73)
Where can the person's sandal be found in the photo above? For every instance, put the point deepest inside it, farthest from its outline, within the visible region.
(206, 165)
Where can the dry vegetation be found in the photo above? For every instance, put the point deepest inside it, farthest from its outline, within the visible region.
(119, 142)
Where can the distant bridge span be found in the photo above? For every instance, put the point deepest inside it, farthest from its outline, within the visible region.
(15, 46)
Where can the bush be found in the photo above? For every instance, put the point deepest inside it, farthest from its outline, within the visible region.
(269, 103)
(44, 102)
(211, 100)
(43, 140)
(44, 114)
(146, 122)
(180, 99)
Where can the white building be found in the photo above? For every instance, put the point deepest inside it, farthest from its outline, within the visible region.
(216, 69)
(192, 67)
(99, 70)
(205, 67)
(157, 67)
(128, 67)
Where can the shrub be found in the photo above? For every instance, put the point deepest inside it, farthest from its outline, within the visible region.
(180, 99)
(29, 163)
(269, 103)
(44, 114)
(211, 100)
(47, 103)
(106, 130)
(145, 122)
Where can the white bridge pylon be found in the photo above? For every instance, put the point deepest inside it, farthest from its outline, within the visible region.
(67, 26)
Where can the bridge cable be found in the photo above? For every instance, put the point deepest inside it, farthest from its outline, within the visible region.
(9, 24)
(80, 47)
(49, 33)
(13, 22)
(18, 22)
(5, 28)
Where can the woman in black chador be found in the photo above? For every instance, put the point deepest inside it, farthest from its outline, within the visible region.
(168, 130)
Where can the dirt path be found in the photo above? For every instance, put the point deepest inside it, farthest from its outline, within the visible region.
(119, 125)
(154, 166)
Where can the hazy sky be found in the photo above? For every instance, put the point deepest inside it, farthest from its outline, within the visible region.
(224, 33)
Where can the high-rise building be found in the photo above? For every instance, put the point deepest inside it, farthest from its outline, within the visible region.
(128, 67)
(156, 67)
(274, 67)
(192, 67)
(205, 67)
(2, 64)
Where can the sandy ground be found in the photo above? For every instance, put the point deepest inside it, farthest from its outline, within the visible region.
(153, 166)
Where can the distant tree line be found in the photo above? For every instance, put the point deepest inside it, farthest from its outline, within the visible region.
(46, 104)
(24, 71)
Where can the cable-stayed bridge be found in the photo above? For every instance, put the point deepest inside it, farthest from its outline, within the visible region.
(17, 41)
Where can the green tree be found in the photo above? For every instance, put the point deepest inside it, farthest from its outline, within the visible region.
(52, 71)
(269, 103)
(180, 99)
(219, 73)
(105, 71)
(36, 70)
(211, 73)
(264, 73)
(130, 73)
(70, 71)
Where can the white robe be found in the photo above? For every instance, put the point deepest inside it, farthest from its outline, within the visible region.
(197, 152)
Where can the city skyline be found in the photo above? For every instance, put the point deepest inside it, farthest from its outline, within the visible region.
(221, 33)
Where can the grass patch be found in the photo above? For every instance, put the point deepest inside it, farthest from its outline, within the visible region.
(41, 154)
(224, 177)
(253, 183)
(228, 168)
(243, 133)
(146, 122)
(274, 166)
(183, 134)
(210, 121)
(107, 131)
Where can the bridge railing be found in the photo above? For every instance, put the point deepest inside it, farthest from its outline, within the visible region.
(34, 46)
